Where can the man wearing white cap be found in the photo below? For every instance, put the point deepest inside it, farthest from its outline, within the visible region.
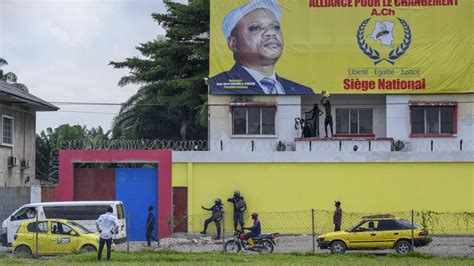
(253, 34)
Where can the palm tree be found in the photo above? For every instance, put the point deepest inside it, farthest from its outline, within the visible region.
(10, 77)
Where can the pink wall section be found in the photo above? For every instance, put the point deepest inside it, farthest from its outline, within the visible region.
(67, 158)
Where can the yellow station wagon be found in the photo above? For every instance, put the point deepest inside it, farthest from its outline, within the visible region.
(55, 236)
(376, 232)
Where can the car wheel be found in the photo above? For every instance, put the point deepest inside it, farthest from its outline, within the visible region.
(23, 251)
(338, 247)
(88, 248)
(232, 246)
(403, 247)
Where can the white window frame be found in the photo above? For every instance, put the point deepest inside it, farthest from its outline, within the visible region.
(349, 109)
(12, 130)
(260, 135)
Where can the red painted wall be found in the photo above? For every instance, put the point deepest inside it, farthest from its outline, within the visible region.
(94, 184)
(65, 188)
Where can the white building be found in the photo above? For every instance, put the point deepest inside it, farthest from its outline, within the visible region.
(430, 122)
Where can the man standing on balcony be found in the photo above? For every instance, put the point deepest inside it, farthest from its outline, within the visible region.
(327, 108)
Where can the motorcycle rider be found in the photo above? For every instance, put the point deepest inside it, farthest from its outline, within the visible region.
(255, 230)
(216, 217)
(239, 207)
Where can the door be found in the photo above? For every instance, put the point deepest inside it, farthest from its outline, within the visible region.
(180, 209)
(137, 188)
(364, 236)
(43, 237)
(390, 231)
(62, 238)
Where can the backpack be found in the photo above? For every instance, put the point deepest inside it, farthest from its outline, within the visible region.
(241, 205)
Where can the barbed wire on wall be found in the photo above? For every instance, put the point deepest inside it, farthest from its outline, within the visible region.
(273, 145)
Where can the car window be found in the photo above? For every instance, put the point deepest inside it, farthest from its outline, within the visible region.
(120, 212)
(25, 213)
(90, 212)
(81, 228)
(389, 225)
(404, 224)
(42, 227)
(367, 226)
(61, 229)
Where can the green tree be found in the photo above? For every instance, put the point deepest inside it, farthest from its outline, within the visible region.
(48, 143)
(171, 101)
(10, 77)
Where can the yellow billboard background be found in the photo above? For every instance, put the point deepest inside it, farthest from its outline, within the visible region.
(321, 49)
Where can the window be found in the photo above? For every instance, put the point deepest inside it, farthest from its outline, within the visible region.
(389, 225)
(75, 212)
(433, 119)
(253, 120)
(61, 229)
(25, 213)
(7, 130)
(120, 212)
(354, 121)
(42, 227)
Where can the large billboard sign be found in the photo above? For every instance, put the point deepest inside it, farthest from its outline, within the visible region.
(342, 46)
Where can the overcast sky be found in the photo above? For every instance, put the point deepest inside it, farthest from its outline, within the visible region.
(61, 50)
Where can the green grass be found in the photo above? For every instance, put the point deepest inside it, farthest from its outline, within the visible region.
(164, 258)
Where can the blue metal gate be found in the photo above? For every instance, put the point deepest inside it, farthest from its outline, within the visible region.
(137, 188)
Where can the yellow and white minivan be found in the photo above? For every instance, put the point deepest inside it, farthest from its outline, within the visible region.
(84, 213)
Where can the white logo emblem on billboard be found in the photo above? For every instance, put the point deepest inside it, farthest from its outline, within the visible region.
(383, 32)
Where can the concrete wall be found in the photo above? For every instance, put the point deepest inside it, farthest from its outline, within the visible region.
(367, 187)
(24, 147)
(365, 181)
(220, 123)
(398, 122)
(12, 198)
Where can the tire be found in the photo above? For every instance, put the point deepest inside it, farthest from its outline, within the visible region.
(88, 248)
(338, 247)
(232, 246)
(267, 246)
(23, 251)
(403, 247)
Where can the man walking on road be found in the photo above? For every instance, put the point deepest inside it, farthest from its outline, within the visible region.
(107, 224)
(337, 217)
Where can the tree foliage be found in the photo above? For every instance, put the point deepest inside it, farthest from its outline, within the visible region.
(49, 141)
(10, 77)
(172, 99)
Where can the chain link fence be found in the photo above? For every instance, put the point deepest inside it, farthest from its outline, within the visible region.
(452, 234)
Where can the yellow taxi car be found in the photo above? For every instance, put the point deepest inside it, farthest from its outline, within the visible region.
(55, 236)
(376, 232)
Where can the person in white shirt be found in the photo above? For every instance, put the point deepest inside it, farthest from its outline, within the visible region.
(107, 224)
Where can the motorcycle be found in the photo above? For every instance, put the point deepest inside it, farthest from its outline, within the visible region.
(263, 243)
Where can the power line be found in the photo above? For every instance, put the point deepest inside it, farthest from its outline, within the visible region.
(226, 105)
(85, 112)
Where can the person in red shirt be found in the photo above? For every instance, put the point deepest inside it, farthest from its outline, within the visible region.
(337, 217)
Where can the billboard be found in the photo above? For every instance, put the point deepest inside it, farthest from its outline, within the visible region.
(343, 46)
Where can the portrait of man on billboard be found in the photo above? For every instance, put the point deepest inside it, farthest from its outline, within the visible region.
(254, 36)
